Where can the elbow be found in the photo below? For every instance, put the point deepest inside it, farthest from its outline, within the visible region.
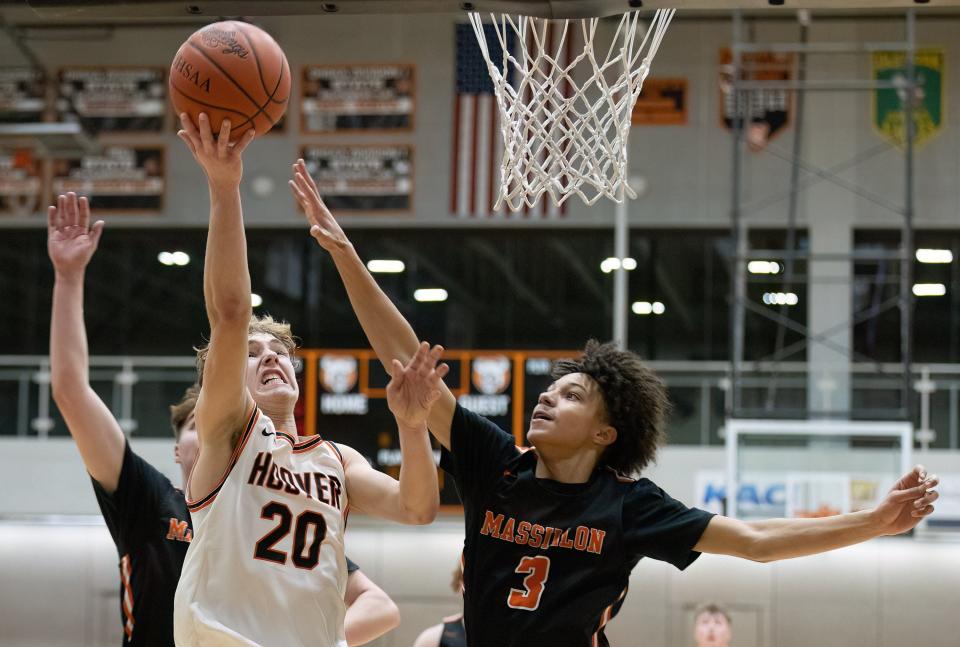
(391, 614)
(232, 310)
(423, 516)
(757, 547)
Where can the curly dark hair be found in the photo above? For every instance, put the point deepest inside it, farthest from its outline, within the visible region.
(635, 402)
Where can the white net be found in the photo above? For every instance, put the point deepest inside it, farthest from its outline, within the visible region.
(565, 120)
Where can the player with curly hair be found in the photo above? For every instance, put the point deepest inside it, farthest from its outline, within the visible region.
(553, 533)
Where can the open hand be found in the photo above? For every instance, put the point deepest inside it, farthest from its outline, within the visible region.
(414, 388)
(71, 241)
(908, 502)
(220, 159)
(323, 226)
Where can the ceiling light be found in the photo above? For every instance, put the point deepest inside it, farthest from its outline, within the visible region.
(642, 307)
(385, 266)
(763, 267)
(929, 289)
(166, 258)
(658, 308)
(609, 264)
(256, 300)
(925, 255)
(629, 263)
(430, 294)
(780, 299)
(180, 258)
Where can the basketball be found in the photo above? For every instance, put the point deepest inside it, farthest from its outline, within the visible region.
(231, 70)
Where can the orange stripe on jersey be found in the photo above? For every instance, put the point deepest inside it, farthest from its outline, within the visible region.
(307, 445)
(605, 618)
(193, 506)
(127, 602)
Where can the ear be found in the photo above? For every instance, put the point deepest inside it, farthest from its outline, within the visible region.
(605, 435)
(176, 452)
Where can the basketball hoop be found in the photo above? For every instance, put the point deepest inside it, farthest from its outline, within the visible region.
(565, 125)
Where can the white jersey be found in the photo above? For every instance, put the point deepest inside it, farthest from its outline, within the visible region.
(266, 564)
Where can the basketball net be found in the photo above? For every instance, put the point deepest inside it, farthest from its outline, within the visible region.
(565, 125)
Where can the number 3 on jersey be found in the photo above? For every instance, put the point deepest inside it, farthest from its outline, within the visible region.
(536, 570)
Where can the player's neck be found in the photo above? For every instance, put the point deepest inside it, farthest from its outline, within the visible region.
(567, 469)
(282, 419)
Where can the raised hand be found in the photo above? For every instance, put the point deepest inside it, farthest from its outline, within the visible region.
(71, 241)
(908, 502)
(415, 387)
(323, 226)
(220, 159)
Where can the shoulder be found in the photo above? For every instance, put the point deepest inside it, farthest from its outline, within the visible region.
(430, 637)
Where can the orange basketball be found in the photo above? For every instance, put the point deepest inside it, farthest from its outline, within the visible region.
(231, 70)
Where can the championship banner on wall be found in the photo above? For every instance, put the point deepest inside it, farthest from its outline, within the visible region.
(763, 114)
(662, 102)
(928, 97)
(123, 178)
(113, 99)
(339, 98)
(21, 183)
(22, 95)
(363, 178)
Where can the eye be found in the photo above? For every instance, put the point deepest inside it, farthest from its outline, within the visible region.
(573, 395)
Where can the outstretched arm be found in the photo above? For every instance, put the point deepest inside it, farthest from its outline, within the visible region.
(909, 501)
(224, 402)
(71, 243)
(370, 611)
(389, 333)
(415, 499)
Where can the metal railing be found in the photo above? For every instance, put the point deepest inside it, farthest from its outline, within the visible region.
(138, 390)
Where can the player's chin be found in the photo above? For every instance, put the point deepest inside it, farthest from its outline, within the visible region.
(277, 394)
(536, 433)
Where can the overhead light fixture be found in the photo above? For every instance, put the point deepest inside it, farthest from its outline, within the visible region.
(173, 258)
(929, 289)
(763, 267)
(427, 295)
(612, 263)
(647, 308)
(385, 266)
(780, 299)
(927, 255)
(256, 300)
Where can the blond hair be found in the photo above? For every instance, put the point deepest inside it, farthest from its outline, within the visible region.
(713, 609)
(280, 330)
(180, 411)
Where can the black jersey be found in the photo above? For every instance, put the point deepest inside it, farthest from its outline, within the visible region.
(453, 634)
(148, 519)
(151, 527)
(548, 563)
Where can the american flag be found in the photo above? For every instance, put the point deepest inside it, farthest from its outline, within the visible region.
(477, 143)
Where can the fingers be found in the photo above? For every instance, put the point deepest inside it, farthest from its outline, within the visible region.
(71, 217)
(223, 139)
(244, 141)
(396, 369)
(442, 370)
(95, 232)
(191, 130)
(302, 167)
(51, 218)
(83, 212)
(922, 513)
(206, 135)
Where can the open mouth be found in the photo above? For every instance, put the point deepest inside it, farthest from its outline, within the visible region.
(272, 377)
(540, 415)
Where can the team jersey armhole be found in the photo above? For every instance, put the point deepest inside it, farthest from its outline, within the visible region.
(343, 464)
(199, 504)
